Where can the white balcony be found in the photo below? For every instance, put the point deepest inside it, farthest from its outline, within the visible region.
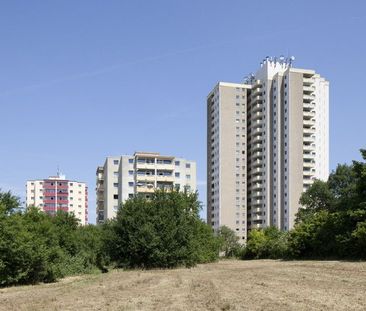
(257, 98)
(145, 166)
(256, 178)
(308, 164)
(256, 155)
(309, 122)
(166, 167)
(257, 217)
(256, 170)
(307, 81)
(257, 139)
(256, 91)
(256, 115)
(165, 178)
(309, 131)
(308, 105)
(308, 139)
(145, 189)
(256, 186)
(309, 114)
(308, 88)
(256, 107)
(308, 148)
(257, 209)
(145, 177)
(256, 163)
(256, 131)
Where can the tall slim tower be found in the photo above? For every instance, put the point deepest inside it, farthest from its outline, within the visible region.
(282, 138)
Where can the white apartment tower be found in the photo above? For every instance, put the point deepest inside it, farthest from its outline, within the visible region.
(123, 177)
(57, 193)
(268, 139)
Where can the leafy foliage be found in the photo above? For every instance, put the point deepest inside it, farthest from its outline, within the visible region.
(267, 243)
(229, 242)
(330, 224)
(35, 247)
(164, 231)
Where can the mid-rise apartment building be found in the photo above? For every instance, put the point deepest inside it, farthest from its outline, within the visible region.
(267, 140)
(123, 177)
(57, 193)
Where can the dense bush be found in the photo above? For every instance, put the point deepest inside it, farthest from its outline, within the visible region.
(268, 243)
(330, 224)
(229, 242)
(35, 247)
(163, 231)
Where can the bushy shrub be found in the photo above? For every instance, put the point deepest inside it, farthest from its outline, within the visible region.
(229, 242)
(35, 247)
(268, 243)
(163, 231)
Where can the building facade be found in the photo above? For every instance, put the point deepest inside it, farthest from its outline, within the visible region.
(57, 193)
(125, 176)
(267, 140)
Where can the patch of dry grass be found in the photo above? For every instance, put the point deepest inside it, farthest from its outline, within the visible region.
(226, 285)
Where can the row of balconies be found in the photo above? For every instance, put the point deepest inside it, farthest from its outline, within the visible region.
(161, 166)
(154, 177)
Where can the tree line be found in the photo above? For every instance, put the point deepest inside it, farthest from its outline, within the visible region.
(166, 231)
(331, 224)
(162, 232)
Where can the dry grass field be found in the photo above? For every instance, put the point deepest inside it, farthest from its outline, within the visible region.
(226, 285)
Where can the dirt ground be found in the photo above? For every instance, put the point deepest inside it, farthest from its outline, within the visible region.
(225, 285)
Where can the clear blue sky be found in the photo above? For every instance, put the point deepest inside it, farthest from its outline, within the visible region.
(81, 80)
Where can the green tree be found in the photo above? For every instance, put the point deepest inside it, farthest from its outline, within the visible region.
(163, 231)
(8, 203)
(229, 242)
(267, 243)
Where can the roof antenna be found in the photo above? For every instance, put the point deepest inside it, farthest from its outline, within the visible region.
(58, 171)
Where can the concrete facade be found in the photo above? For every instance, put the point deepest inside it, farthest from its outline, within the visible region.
(282, 137)
(57, 193)
(125, 176)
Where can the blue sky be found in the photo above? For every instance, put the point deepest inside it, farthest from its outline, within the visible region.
(81, 80)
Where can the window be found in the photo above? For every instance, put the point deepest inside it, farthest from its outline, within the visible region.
(188, 165)
(115, 196)
(115, 162)
(115, 184)
(188, 176)
(177, 163)
(130, 160)
(130, 183)
(71, 198)
(130, 172)
(130, 195)
(177, 174)
(115, 173)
